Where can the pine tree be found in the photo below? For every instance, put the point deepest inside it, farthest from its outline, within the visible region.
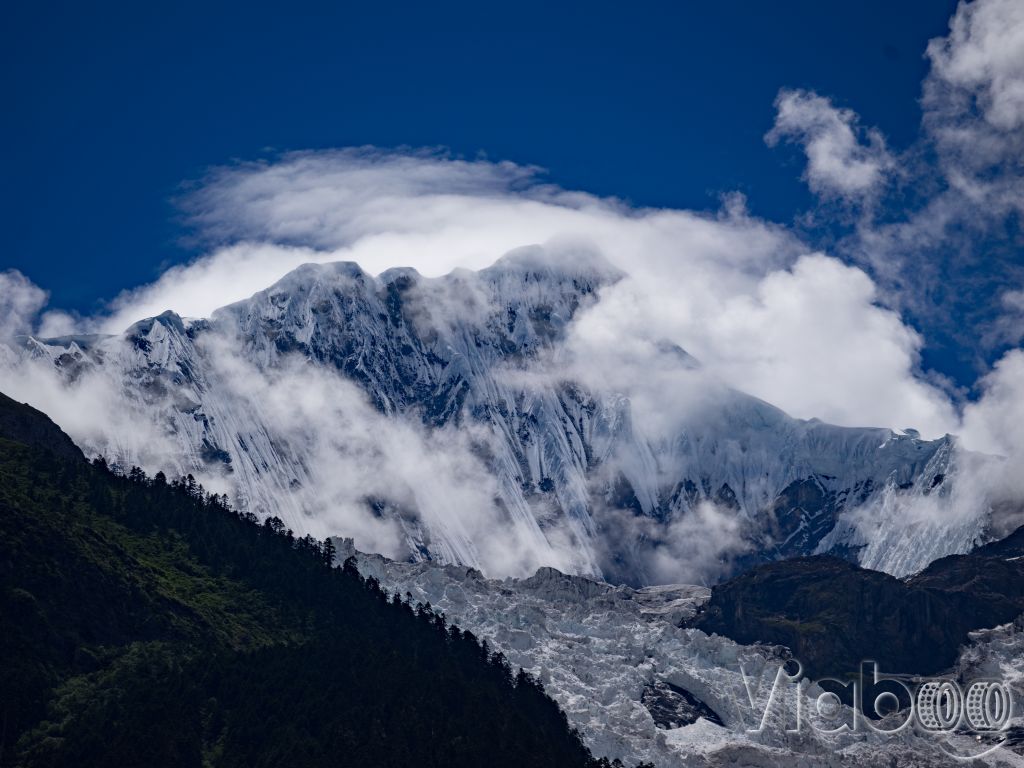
(329, 552)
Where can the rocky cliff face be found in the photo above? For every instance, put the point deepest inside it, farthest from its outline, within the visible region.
(833, 614)
(571, 472)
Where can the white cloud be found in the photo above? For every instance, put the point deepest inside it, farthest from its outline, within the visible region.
(1008, 327)
(1013, 300)
(983, 58)
(742, 295)
(20, 303)
(995, 422)
(55, 322)
(195, 290)
(808, 337)
(813, 341)
(330, 199)
(843, 160)
(974, 105)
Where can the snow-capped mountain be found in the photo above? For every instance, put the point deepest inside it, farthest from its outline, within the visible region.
(476, 364)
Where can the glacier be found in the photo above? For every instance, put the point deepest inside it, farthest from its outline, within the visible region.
(284, 400)
(601, 650)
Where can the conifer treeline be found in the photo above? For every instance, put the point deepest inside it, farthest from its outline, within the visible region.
(153, 625)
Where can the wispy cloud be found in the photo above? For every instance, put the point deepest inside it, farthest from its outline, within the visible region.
(844, 160)
(974, 94)
(941, 235)
(21, 300)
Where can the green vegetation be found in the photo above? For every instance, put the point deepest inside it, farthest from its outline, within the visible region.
(146, 624)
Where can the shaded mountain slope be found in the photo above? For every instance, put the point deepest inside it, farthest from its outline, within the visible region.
(31, 427)
(145, 624)
(833, 614)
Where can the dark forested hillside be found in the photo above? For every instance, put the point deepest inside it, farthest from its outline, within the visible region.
(146, 624)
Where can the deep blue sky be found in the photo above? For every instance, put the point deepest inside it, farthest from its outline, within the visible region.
(109, 107)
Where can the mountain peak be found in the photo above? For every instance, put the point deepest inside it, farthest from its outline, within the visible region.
(560, 260)
(168, 319)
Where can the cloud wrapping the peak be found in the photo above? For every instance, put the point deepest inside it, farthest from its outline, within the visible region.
(330, 199)
(742, 295)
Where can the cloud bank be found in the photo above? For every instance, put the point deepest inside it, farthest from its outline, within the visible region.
(744, 296)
